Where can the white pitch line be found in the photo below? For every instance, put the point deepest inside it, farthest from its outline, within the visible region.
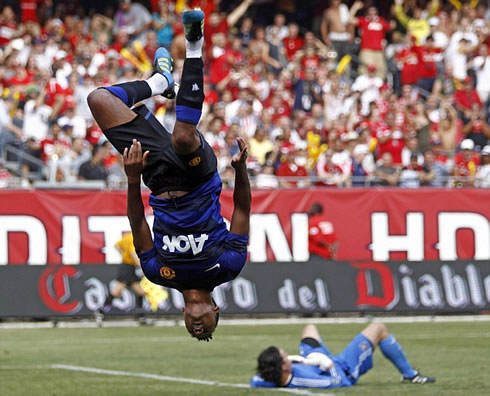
(177, 379)
(253, 322)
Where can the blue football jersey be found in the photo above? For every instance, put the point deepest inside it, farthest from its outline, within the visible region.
(190, 228)
(192, 247)
(306, 376)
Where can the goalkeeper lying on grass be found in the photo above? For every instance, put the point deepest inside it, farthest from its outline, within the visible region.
(316, 367)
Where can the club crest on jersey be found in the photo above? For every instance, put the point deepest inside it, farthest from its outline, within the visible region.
(167, 272)
(195, 161)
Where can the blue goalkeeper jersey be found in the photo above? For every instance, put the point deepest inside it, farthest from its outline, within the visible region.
(306, 376)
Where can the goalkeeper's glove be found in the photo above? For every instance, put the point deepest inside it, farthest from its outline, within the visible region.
(296, 359)
(319, 359)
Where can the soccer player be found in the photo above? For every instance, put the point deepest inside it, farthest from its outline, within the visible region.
(192, 251)
(316, 367)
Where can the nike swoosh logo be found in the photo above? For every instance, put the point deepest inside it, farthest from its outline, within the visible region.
(217, 265)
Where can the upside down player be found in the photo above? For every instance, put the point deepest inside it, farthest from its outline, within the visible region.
(316, 367)
(192, 250)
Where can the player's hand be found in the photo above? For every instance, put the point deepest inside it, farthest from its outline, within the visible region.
(240, 159)
(320, 360)
(134, 161)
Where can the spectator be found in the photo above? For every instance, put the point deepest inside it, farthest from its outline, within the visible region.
(306, 91)
(279, 27)
(373, 29)
(10, 134)
(336, 30)
(483, 173)
(466, 163)
(466, 97)
(260, 145)
(476, 128)
(418, 26)
(266, 178)
(134, 18)
(481, 65)
(94, 169)
(362, 165)
(435, 172)
(289, 168)
(411, 174)
(330, 175)
(428, 55)
(292, 42)
(322, 239)
(163, 24)
(368, 85)
(386, 173)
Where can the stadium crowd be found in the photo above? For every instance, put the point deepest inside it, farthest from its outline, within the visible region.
(357, 95)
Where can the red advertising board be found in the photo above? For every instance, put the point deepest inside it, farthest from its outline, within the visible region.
(71, 227)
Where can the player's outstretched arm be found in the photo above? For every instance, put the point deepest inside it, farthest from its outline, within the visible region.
(134, 163)
(242, 197)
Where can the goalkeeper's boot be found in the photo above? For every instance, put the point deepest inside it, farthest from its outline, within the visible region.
(193, 24)
(418, 378)
(162, 63)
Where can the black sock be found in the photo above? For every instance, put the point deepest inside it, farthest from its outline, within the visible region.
(108, 300)
(191, 93)
(139, 301)
(131, 92)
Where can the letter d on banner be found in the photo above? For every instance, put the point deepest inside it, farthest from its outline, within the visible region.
(364, 283)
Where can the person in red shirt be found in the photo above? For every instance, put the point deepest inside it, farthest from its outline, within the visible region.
(408, 59)
(466, 97)
(288, 168)
(373, 30)
(428, 55)
(466, 163)
(217, 23)
(292, 42)
(322, 240)
(390, 138)
(332, 175)
(8, 26)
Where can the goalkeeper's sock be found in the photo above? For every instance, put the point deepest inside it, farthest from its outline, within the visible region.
(394, 352)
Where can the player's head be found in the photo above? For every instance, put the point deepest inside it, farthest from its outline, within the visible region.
(316, 208)
(272, 364)
(201, 319)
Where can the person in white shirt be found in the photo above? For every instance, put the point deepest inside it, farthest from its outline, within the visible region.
(483, 173)
(368, 85)
(481, 65)
(36, 114)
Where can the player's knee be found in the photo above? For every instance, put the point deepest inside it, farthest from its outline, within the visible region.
(97, 97)
(381, 330)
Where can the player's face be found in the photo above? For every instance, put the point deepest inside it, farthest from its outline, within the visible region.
(200, 319)
(286, 364)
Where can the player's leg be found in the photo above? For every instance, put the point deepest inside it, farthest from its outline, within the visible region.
(378, 334)
(190, 98)
(311, 331)
(111, 106)
(311, 341)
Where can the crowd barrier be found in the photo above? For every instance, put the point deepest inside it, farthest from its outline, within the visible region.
(313, 287)
(72, 226)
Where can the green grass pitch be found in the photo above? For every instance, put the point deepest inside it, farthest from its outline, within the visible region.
(456, 353)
